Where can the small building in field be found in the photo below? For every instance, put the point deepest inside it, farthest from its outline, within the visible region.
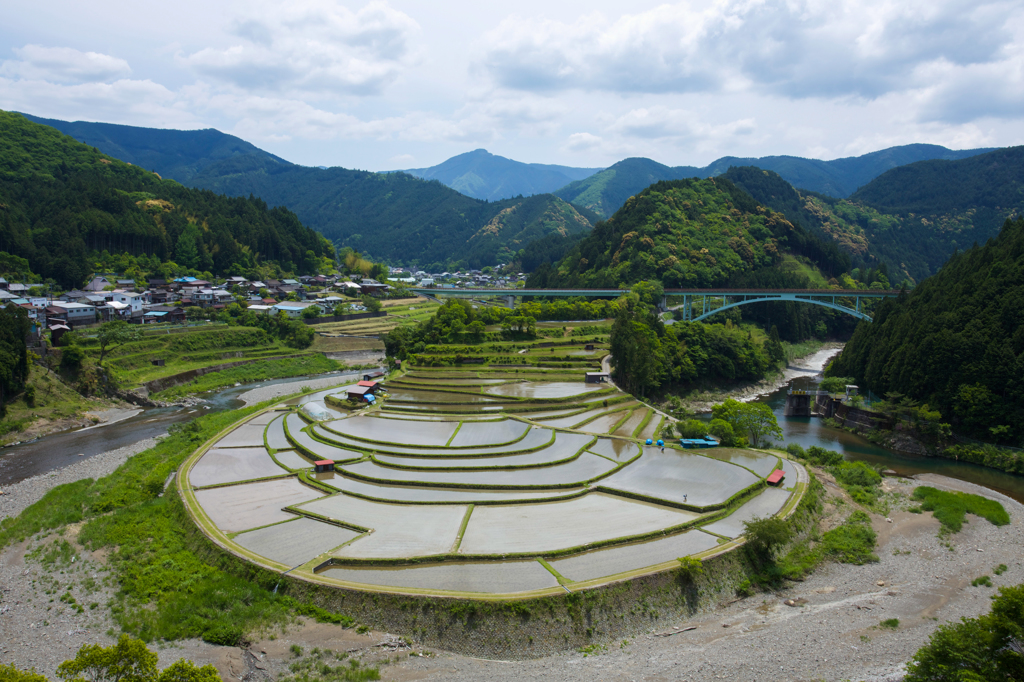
(373, 376)
(597, 377)
(324, 465)
(775, 478)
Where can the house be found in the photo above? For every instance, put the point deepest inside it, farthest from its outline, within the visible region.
(125, 284)
(6, 296)
(259, 308)
(133, 300)
(291, 308)
(73, 313)
(372, 286)
(369, 384)
(115, 310)
(98, 283)
(597, 377)
(165, 313)
(4, 284)
(360, 393)
(775, 478)
(371, 376)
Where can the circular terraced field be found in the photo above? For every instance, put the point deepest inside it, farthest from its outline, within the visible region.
(476, 483)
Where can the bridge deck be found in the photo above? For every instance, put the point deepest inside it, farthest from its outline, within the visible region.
(600, 293)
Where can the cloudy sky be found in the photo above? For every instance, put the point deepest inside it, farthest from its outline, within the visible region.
(402, 83)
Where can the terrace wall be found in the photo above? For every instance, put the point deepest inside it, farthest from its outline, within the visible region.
(527, 628)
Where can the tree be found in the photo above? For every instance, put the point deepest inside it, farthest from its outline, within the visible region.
(765, 536)
(990, 647)
(372, 304)
(127, 661)
(773, 346)
(14, 325)
(311, 313)
(757, 420)
(722, 430)
(8, 673)
(115, 333)
(692, 428)
(186, 250)
(835, 384)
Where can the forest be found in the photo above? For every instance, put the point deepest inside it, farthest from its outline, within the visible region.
(955, 343)
(63, 203)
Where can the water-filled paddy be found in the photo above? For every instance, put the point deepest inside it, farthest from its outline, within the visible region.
(231, 465)
(565, 447)
(370, 428)
(672, 475)
(583, 468)
(560, 525)
(251, 505)
(604, 562)
(477, 466)
(293, 543)
(543, 389)
(764, 505)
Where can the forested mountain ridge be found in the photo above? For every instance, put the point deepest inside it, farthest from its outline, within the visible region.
(482, 175)
(605, 191)
(386, 216)
(394, 216)
(173, 154)
(956, 342)
(63, 202)
(684, 233)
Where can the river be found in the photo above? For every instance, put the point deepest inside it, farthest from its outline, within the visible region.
(808, 431)
(61, 449)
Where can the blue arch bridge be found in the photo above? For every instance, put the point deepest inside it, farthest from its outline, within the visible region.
(697, 304)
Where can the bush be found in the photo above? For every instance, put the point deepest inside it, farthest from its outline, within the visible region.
(692, 428)
(723, 431)
(857, 474)
(765, 536)
(71, 358)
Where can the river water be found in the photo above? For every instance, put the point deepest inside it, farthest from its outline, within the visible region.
(61, 449)
(808, 431)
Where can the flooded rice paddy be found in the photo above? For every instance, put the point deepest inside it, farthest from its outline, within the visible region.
(508, 478)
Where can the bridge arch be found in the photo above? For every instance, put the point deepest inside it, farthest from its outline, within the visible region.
(834, 306)
(698, 306)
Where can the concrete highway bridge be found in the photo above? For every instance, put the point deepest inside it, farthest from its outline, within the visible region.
(698, 304)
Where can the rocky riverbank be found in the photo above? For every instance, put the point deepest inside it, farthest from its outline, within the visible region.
(810, 365)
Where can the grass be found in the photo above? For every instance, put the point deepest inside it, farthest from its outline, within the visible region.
(256, 371)
(851, 543)
(951, 508)
(53, 400)
(166, 590)
(890, 624)
(983, 581)
(328, 666)
(340, 344)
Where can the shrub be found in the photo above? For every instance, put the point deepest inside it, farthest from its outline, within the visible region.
(723, 431)
(950, 508)
(765, 536)
(71, 358)
(692, 428)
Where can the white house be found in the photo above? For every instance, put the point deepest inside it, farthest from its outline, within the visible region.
(131, 299)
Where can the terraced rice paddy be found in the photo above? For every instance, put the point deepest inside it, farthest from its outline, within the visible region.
(477, 485)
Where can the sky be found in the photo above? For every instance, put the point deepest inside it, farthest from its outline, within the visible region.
(384, 85)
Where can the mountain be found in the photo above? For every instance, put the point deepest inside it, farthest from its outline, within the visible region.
(685, 233)
(397, 217)
(956, 342)
(483, 175)
(63, 204)
(175, 154)
(605, 191)
(387, 216)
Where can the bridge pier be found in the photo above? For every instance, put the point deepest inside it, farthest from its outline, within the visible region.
(510, 301)
(663, 306)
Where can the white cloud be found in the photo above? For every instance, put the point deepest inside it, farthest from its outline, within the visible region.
(793, 48)
(579, 142)
(63, 65)
(313, 46)
(130, 102)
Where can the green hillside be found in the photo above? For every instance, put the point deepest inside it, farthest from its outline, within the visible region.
(606, 191)
(394, 216)
(482, 175)
(62, 203)
(387, 216)
(173, 154)
(684, 233)
(956, 342)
